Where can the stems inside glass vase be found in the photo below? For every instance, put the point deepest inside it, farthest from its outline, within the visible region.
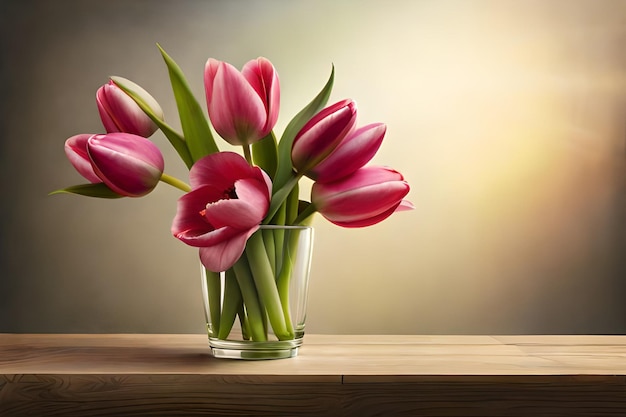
(265, 291)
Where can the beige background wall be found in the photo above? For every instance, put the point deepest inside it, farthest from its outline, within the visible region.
(508, 118)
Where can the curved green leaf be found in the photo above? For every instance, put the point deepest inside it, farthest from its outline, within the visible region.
(99, 190)
(196, 131)
(175, 138)
(285, 179)
(285, 169)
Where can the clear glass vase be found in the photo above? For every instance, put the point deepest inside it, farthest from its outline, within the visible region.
(257, 308)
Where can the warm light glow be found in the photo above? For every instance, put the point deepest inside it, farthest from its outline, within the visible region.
(506, 117)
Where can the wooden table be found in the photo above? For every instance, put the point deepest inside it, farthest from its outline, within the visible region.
(174, 375)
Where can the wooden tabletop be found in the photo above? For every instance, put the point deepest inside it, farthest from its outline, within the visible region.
(336, 357)
(332, 375)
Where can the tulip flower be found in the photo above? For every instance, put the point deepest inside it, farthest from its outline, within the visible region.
(119, 112)
(76, 152)
(130, 165)
(228, 201)
(353, 152)
(243, 106)
(366, 197)
(322, 134)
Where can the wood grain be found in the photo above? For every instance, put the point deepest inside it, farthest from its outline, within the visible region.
(174, 375)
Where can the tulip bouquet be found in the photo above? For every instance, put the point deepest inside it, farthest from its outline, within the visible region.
(235, 203)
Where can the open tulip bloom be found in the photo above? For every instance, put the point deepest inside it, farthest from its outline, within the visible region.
(231, 195)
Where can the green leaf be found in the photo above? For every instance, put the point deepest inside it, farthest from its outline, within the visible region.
(99, 190)
(285, 169)
(285, 178)
(175, 138)
(265, 154)
(195, 126)
(292, 204)
(306, 211)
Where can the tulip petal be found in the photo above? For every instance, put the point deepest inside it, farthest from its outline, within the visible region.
(175, 138)
(151, 103)
(191, 226)
(228, 201)
(369, 221)
(210, 70)
(188, 223)
(107, 120)
(352, 153)
(76, 152)
(221, 170)
(366, 197)
(253, 73)
(120, 113)
(243, 212)
(321, 135)
(207, 237)
(130, 165)
(405, 205)
(257, 192)
(262, 76)
(236, 110)
(223, 255)
(366, 201)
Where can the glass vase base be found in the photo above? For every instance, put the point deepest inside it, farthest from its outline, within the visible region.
(247, 350)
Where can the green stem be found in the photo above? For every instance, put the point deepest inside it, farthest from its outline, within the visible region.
(214, 290)
(292, 205)
(279, 197)
(279, 238)
(266, 285)
(247, 153)
(250, 299)
(284, 277)
(306, 213)
(270, 247)
(243, 321)
(282, 283)
(279, 219)
(232, 304)
(175, 182)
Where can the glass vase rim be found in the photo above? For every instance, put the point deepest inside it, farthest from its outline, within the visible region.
(284, 226)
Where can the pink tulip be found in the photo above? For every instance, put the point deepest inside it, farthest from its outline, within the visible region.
(243, 106)
(228, 201)
(322, 134)
(405, 205)
(366, 197)
(119, 112)
(76, 152)
(128, 164)
(353, 152)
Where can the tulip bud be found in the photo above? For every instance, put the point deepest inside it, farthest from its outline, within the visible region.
(353, 152)
(243, 106)
(119, 112)
(130, 165)
(366, 197)
(76, 152)
(322, 134)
